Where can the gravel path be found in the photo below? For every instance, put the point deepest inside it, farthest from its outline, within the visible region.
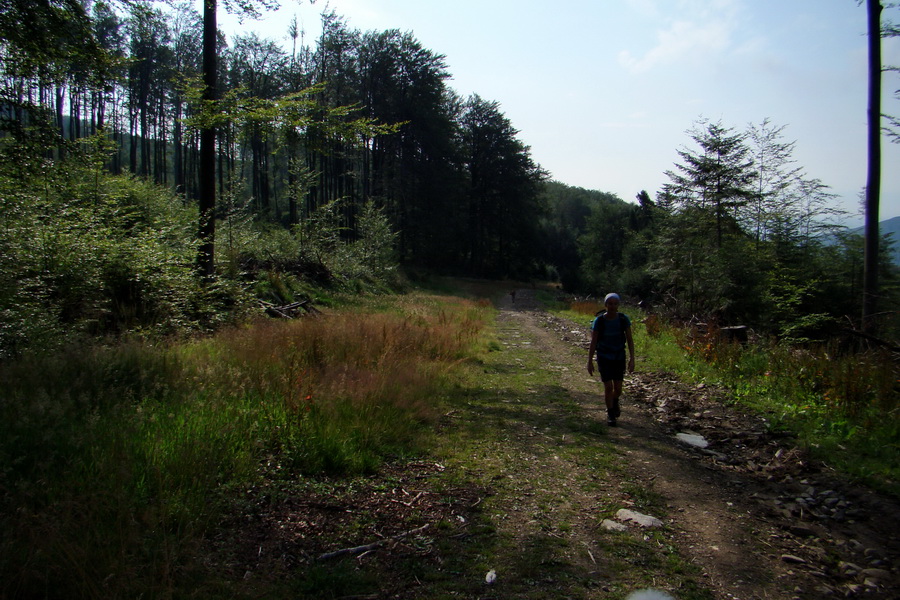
(759, 518)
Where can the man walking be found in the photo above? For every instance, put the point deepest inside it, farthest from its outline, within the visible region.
(610, 335)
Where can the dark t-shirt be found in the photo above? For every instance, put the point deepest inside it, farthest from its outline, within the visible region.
(611, 343)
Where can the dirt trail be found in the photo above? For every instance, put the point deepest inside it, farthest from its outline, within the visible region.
(750, 510)
(530, 472)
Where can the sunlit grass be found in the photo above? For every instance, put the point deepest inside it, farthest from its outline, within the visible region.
(113, 461)
(843, 406)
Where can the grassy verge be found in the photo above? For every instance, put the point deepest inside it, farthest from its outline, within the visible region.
(842, 406)
(115, 462)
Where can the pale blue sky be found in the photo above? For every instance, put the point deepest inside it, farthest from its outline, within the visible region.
(603, 91)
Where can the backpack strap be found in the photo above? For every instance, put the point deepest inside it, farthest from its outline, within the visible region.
(600, 316)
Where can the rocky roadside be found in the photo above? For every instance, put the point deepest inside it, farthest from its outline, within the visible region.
(827, 536)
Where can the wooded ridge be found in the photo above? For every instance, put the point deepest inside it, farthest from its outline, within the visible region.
(351, 162)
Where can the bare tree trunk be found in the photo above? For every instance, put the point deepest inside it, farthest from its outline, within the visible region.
(207, 230)
(177, 147)
(60, 121)
(873, 181)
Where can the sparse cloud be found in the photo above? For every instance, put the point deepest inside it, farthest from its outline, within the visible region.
(701, 29)
(647, 8)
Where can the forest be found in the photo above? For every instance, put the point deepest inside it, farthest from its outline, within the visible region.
(352, 159)
(164, 188)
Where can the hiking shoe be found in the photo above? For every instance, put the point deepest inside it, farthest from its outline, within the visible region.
(610, 418)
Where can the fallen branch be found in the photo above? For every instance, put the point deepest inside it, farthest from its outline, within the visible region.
(411, 502)
(867, 336)
(288, 311)
(372, 546)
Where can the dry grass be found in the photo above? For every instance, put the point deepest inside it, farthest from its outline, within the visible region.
(113, 461)
(842, 405)
(586, 307)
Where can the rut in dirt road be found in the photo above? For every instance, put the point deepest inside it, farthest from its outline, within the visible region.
(742, 509)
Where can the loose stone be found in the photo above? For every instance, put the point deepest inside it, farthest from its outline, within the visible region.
(609, 525)
(630, 516)
(848, 568)
(876, 574)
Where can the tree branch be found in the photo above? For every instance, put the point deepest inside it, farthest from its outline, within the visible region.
(372, 546)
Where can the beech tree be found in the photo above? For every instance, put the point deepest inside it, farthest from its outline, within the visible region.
(774, 176)
(207, 164)
(414, 171)
(503, 192)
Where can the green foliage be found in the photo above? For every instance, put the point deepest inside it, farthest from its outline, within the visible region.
(316, 251)
(563, 228)
(86, 253)
(89, 253)
(840, 404)
(53, 37)
(115, 462)
(503, 204)
(373, 255)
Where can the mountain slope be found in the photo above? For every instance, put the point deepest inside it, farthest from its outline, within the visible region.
(890, 227)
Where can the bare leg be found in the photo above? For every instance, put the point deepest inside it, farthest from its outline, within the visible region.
(617, 393)
(609, 397)
(609, 393)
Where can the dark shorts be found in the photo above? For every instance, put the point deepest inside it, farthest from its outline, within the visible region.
(611, 370)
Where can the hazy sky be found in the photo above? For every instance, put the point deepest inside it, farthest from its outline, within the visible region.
(603, 91)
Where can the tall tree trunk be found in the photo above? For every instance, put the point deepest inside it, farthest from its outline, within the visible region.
(177, 149)
(133, 136)
(207, 230)
(144, 140)
(873, 179)
(162, 144)
(60, 120)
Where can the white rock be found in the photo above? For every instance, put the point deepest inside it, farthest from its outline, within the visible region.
(692, 439)
(630, 516)
(649, 595)
(613, 526)
(871, 584)
(848, 568)
(491, 577)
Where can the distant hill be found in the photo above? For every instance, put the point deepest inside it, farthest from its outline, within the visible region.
(890, 227)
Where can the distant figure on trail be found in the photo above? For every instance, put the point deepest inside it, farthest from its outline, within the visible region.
(512, 294)
(610, 334)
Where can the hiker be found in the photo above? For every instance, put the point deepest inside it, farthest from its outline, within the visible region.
(610, 333)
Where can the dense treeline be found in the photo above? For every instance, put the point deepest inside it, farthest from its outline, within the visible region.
(455, 181)
(340, 160)
(739, 234)
(333, 162)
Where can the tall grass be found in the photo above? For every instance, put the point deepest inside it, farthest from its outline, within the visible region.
(114, 461)
(843, 406)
